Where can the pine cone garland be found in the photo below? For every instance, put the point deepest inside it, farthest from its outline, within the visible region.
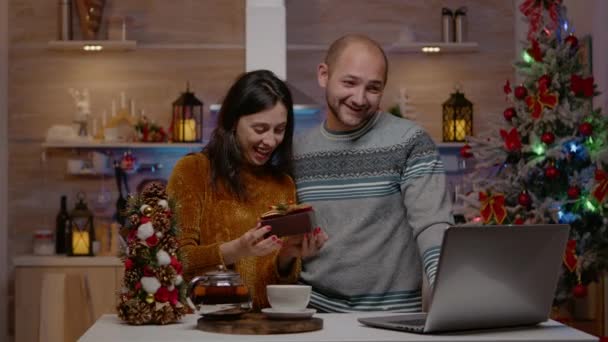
(135, 312)
(152, 193)
(161, 222)
(165, 275)
(133, 221)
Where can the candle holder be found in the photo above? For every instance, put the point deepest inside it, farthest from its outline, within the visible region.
(81, 232)
(457, 118)
(187, 121)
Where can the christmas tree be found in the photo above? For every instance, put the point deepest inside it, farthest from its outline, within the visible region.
(154, 291)
(546, 162)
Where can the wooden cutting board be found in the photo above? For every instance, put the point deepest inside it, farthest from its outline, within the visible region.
(259, 324)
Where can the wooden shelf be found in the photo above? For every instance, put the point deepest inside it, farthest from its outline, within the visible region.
(435, 47)
(453, 145)
(92, 45)
(133, 145)
(414, 47)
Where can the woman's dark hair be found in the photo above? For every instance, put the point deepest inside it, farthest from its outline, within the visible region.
(253, 92)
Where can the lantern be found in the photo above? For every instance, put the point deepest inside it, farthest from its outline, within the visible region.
(187, 121)
(457, 118)
(81, 232)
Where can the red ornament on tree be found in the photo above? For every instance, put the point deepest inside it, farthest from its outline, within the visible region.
(520, 92)
(524, 199)
(585, 129)
(509, 114)
(579, 291)
(572, 40)
(574, 192)
(519, 220)
(548, 138)
(551, 172)
(464, 151)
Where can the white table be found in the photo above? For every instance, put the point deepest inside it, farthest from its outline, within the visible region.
(336, 327)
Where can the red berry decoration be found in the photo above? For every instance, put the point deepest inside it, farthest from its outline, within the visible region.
(464, 151)
(551, 172)
(572, 40)
(579, 291)
(585, 129)
(521, 92)
(574, 192)
(519, 220)
(524, 199)
(509, 114)
(548, 138)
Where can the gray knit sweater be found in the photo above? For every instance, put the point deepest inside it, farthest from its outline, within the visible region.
(380, 194)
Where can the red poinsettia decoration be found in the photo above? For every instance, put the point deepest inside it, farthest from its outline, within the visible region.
(535, 51)
(507, 88)
(492, 206)
(581, 86)
(570, 258)
(601, 189)
(512, 139)
(537, 102)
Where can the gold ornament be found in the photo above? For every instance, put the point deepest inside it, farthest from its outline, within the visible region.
(146, 210)
(150, 298)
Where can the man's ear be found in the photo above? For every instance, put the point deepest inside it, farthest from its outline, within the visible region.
(323, 74)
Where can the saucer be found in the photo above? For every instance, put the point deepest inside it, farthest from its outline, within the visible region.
(281, 314)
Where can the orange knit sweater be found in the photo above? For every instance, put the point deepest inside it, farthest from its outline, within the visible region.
(208, 218)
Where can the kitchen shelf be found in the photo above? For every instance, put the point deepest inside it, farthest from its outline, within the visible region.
(414, 47)
(132, 145)
(92, 45)
(452, 145)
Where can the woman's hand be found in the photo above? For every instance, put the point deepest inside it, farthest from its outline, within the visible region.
(252, 243)
(303, 246)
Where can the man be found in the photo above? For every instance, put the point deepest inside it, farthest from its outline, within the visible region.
(378, 188)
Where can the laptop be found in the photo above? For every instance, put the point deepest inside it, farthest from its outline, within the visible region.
(489, 277)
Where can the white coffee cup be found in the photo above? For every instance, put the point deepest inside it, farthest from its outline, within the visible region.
(288, 298)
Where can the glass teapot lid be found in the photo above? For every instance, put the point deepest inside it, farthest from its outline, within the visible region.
(223, 275)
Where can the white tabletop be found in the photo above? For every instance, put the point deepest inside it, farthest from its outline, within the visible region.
(336, 327)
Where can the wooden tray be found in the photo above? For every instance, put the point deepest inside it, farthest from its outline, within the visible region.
(259, 324)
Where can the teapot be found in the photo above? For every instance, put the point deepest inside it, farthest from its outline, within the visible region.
(219, 293)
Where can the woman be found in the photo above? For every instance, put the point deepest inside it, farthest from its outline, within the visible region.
(222, 191)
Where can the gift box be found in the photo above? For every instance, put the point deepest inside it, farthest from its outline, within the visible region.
(289, 219)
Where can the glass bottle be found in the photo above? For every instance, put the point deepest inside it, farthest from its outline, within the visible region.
(61, 225)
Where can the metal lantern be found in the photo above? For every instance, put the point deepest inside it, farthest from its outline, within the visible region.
(81, 232)
(187, 121)
(457, 118)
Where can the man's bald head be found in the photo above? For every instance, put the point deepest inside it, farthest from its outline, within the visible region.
(338, 46)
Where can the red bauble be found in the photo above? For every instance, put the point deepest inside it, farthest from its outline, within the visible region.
(509, 113)
(574, 192)
(544, 81)
(579, 291)
(464, 151)
(572, 40)
(551, 172)
(520, 92)
(524, 199)
(548, 138)
(519, 220)
(585, 129)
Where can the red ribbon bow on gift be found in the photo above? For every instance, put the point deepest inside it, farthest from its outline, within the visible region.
(533, 10)
(512, 140)
(492, 206)
(601, 189)
(544, 98)
(570, 255)
(581, 86)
